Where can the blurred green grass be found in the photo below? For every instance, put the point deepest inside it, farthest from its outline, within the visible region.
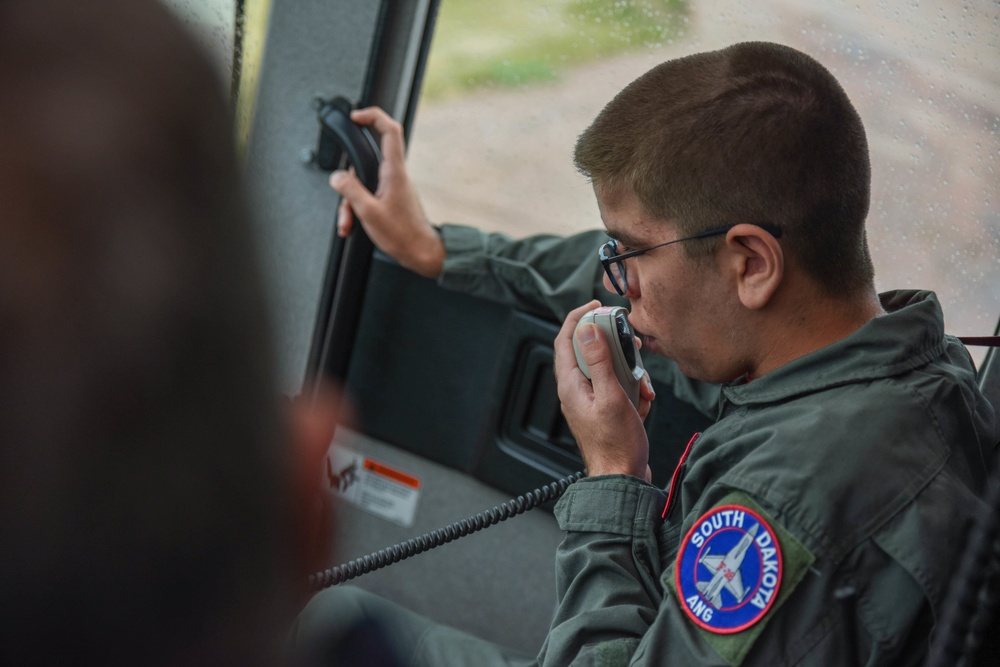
(491, 43)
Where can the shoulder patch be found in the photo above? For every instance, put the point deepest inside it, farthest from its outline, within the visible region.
(729, 569)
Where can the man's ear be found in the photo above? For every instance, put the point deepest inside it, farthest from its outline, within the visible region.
(758, 263)
(312, 423)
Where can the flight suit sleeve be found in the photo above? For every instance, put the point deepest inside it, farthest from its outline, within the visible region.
(619, 601)
(606, 571)
(545, 274)
(617, 605)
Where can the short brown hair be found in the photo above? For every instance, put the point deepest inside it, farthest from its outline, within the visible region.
(756, 132)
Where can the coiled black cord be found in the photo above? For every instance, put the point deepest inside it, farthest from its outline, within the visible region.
(417, 545)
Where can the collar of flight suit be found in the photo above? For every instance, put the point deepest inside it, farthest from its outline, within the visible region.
(909, 335)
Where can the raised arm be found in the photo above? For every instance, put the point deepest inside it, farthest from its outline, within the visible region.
(392, 216)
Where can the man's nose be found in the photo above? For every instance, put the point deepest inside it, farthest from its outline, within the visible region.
(632, 288)
(607, 284)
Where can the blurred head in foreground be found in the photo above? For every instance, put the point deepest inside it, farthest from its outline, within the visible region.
(148, 510)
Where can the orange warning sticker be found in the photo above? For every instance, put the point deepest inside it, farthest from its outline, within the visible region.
(373, 486)
(392, 473)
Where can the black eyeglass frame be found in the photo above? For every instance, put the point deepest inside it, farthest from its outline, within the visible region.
(607, 255)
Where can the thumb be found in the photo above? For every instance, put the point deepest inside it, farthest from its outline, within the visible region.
(352, 190)
(594, 349)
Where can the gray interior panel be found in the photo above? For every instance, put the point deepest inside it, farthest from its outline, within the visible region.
(313, 48)
(498, 584)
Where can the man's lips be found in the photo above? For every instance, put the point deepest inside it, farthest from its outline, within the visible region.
(649, 344)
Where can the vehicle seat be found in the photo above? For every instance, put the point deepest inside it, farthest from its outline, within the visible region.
(969, 631)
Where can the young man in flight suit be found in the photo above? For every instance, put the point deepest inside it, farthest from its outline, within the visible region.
(819, 520)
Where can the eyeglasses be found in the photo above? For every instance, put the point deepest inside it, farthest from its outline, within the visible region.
(614, 263)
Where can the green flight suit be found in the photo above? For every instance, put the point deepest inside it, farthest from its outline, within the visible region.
(864, 461)
(868, 457)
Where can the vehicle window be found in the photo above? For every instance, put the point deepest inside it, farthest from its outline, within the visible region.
(511, 83)
(213, 23)
(233, 33)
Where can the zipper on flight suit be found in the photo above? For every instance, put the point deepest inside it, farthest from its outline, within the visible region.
(675, 479)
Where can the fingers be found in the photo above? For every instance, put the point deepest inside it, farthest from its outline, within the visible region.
(646, 390)
(345, 219)
(610, 435)
(393, 144)
(596, 351)
(574, 316)
(355, 194)
(646, 395)
(565, 356)
(376, 117)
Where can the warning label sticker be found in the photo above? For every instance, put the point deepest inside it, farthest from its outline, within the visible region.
(372, 486)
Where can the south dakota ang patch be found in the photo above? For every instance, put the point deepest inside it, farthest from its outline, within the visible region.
(729, 569)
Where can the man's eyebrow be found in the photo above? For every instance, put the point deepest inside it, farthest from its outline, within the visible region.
(623, 237)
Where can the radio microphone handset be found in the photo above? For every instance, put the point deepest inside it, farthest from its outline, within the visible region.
(613, 321)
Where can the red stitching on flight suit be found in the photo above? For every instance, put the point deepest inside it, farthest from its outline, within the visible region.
(675, 478)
